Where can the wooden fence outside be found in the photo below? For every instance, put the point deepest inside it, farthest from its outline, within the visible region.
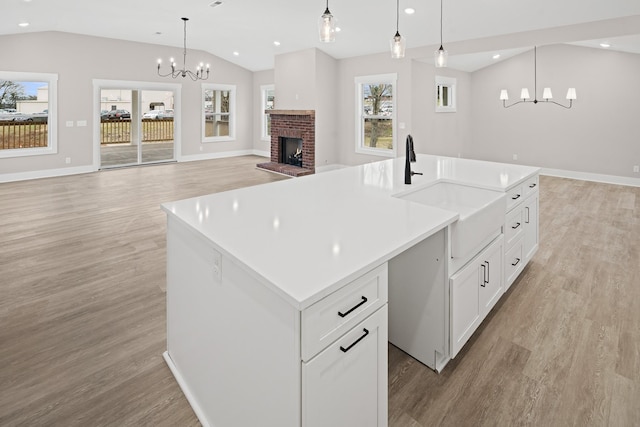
(32, 134)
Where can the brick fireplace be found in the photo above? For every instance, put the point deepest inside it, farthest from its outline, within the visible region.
(288, 125)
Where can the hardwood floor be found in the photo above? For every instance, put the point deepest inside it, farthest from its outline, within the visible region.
(82, 312)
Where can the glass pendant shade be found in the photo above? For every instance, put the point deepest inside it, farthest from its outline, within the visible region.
(327, 27)
(398, 44)
(524, 94)
(546, 93)
(504, 95)
(571, 93)
(441, 56)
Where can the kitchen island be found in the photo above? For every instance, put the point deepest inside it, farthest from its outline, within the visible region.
(280, 296)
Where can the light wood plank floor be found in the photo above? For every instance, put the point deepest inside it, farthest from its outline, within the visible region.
(82, 310)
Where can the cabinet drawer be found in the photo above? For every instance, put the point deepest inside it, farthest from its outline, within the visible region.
(513, 227)
(514, 196)
(346, 384)
(513, 263)
(530, 185)
(329, 318)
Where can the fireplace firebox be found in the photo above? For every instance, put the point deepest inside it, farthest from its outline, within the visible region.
(291, 151)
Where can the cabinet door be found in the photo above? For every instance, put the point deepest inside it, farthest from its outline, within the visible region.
(491, 288)
(346, 384)
(465, 305)
(530, 226)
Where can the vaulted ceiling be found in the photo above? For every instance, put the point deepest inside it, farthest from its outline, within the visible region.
(250, 27)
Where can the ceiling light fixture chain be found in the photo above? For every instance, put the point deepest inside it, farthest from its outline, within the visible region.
(546, 93)
(200, 70)
(441, 54)
(398, 43)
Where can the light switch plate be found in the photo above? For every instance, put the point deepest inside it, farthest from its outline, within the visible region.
(69, 123)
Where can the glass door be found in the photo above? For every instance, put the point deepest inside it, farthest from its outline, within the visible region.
(136, 127)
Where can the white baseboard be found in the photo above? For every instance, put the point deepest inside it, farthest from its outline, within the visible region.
(185, 390)
(327, 168)
(46, 173)
(221, 155)
(587, 176)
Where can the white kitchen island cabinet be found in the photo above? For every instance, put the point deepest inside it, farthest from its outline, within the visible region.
(278, 311)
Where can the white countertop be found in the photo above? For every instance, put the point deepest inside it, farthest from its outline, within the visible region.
(307, 237)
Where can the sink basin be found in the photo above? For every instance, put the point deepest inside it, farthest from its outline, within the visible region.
(481, 213)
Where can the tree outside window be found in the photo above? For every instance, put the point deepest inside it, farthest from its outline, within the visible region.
(376, 115)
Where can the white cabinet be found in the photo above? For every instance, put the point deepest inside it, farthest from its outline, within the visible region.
(346, 383)
(521, 229)
(530, 213)
(344, 355)
(475, 289)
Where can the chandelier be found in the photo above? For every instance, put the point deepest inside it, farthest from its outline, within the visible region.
(200, 70)
(546, 93)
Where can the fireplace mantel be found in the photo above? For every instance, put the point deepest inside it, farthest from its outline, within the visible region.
(292, 112)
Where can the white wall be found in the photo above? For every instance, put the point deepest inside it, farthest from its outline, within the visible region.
(260, 78)
(599, 135)
(326, 84)
(443, 134)
(79, 59)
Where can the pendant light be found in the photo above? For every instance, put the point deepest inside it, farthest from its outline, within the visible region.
(327, 26)
(441, 54)
(398, 42)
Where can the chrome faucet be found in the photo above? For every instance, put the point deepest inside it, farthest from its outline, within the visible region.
(410, 157)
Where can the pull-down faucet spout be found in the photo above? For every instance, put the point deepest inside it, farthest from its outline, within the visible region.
(410, 157)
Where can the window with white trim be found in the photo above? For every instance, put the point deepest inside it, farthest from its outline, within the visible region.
(218, 112)
(268, 101)
(28, 107)
(376, 114)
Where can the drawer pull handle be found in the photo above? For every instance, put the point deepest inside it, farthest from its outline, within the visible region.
(515, 263)
(533, 185)
(515, 226)
(485, 274)
(366, 332)
(364, 299)
(517, 196)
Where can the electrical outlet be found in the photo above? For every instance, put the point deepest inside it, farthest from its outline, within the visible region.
(636, 168)
(515, 157)
(68, 160)
(217, 266)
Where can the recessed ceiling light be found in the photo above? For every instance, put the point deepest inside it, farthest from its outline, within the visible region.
(605, 44)
(409, 11)
(236, 53)
(496, 56)
(158, 33)
(23, 24)
(216, 3)
(338, 29)
(276, 43)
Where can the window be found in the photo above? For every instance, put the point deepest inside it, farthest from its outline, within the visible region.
(375, 114)
(445, 94)
(268, 101)
(218, 112)
(27, 114)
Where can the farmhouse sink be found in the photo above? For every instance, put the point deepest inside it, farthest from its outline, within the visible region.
(481, 213)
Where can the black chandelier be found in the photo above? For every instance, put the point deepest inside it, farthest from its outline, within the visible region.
(546, 93)
(200, 70)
